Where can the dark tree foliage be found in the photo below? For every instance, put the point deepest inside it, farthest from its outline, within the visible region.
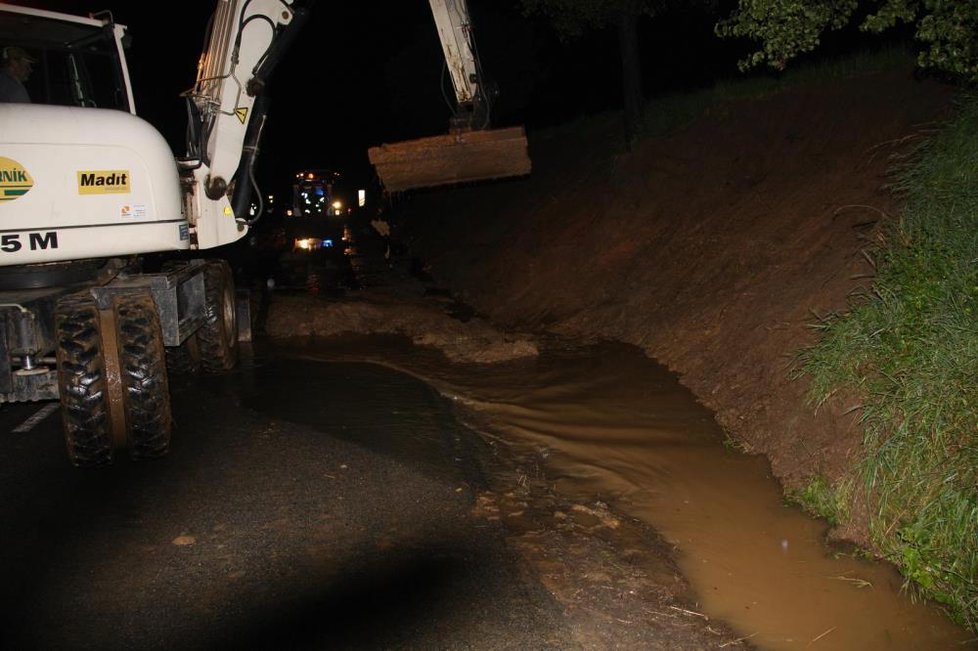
(947, 30)
(572, 18)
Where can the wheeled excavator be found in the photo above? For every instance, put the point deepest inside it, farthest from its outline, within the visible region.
(472, 150)
(89, 191)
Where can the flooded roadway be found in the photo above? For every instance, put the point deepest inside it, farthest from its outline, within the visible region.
(265, 533)
(270, 529)
(614, 425)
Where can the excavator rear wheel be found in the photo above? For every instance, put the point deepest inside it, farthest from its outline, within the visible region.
(82, 381)
(218, 337)
(185, 358)
(142, 371)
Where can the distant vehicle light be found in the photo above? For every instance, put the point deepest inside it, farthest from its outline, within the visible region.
(309, 244)
(337, 206)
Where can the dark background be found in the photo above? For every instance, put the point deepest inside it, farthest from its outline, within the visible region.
(363, 73)
(360, 74)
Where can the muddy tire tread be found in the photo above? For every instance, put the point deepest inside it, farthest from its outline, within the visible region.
(182, 359)
(218, 347)
(142, 361)
(185, 358)
(82, 382)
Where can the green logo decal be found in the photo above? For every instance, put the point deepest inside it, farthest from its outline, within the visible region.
(15, 182)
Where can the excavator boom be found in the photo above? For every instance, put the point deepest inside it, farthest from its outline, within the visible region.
(470, 151)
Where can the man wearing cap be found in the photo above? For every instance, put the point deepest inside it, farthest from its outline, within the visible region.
(16, 66)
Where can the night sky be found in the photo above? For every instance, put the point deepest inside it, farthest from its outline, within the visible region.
(363, 73)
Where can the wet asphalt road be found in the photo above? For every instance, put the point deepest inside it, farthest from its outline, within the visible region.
(303, 505)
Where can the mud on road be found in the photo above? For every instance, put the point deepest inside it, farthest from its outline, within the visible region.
(614, 578)
(320, 530)
(582, 436)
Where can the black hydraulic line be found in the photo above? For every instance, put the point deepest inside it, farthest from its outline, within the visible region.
(280, 44)
(246, 184)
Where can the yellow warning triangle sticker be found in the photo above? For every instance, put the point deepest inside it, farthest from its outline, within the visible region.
(242, 113)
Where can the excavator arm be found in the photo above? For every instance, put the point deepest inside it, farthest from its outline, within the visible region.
(245, 41)
(458, 47)
(471, 151)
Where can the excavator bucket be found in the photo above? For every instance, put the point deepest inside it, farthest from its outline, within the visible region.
(451, 159)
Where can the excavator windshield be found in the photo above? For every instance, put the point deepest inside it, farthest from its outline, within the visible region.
(74, 62)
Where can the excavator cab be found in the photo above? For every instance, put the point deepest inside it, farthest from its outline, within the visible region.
(471, 150)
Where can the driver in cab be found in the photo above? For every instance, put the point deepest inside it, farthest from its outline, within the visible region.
(16, 66)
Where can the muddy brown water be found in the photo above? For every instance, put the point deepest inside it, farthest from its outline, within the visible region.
(615, 426)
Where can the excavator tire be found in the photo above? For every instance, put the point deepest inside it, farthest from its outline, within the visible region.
(82, 381)
(142, 369)
(185, 358)
(218, 337)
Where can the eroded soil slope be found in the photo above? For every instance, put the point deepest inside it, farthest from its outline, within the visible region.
(714, 249)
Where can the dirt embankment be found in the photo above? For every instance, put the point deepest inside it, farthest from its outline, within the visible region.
(714, 250)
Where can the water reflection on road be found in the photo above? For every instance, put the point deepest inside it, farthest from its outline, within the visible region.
(615, 425)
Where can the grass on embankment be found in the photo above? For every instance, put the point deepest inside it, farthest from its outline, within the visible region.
(910, 349)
